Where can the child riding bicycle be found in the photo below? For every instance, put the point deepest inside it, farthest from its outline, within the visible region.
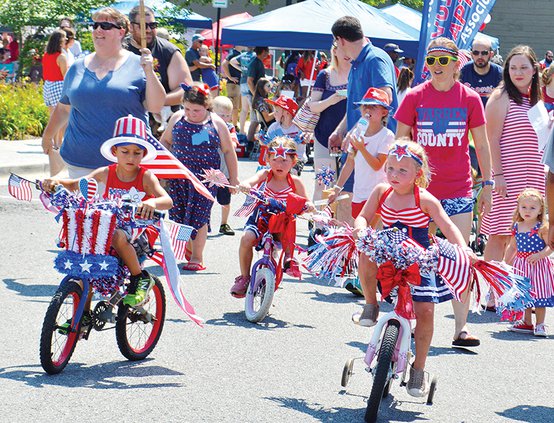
(276, 183)
(128, 147)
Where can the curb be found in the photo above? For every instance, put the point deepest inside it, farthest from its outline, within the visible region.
(22, 169)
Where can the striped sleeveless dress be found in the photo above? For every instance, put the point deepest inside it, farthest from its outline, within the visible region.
(521, 166)
(541, 273)
(416, 222)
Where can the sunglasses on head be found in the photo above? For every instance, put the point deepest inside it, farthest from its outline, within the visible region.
(443, 60)
(106, 26)
(151, 25)
(482, 52)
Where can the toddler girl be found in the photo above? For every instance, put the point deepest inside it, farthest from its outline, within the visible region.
(209, 75)
(276, 182)
(529, 253)
(404, 203)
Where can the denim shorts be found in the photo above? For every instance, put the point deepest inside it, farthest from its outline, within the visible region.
(458, 205)
(244, 90)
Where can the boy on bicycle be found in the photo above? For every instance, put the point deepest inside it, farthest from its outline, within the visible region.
(128, 147)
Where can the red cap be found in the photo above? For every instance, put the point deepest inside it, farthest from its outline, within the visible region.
(375, 96)
(286, 103)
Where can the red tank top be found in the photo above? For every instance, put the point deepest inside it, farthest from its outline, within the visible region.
(115, 188)
(50, 69)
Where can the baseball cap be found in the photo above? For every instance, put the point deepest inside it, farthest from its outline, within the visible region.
(393, 47)
(286, 103)
(197, 37)
(375, 96)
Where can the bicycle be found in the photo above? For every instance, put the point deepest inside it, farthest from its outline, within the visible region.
(138, 329)
(387, 358)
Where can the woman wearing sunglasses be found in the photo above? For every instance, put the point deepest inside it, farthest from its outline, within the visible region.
(99, 89)
(440, 114)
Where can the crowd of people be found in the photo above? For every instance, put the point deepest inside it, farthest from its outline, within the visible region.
(413, 158)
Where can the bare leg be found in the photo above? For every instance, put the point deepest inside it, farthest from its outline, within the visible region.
(198, 244)
(244, 110)
(367, 272)
(225, 210)
(540, 314)
(126, 251)
(425, 313)
(494, 250)
(246, 252)
(55, 161)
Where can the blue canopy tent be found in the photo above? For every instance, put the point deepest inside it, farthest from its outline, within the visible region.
(307, 25)
(167, 10)
(412, 18)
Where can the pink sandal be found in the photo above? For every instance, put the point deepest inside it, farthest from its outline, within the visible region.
(194, 267)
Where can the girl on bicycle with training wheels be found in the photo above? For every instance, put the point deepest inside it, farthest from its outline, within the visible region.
(275, 182)
(127, 148)
(404, 203)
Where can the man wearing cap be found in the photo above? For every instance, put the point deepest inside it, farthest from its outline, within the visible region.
(480, 74)
(547, 61)
(394, 53)
(169, 63)
(193, 58)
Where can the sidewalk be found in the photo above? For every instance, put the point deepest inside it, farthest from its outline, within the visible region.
(24, 157)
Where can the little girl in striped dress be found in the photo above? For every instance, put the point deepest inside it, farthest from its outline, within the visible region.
(404, 203)
(529, 253)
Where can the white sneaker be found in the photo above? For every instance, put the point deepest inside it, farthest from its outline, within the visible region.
(540, 330)
(367, 317)
(416, 386)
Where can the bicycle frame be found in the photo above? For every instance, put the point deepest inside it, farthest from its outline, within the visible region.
(267, 258)
(402, 346)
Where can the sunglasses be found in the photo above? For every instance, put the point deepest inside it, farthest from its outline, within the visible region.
(151, 25)
(443, 60)
(482, 52)
(106, 26)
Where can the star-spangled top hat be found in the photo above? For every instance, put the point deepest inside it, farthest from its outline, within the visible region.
(128, 130)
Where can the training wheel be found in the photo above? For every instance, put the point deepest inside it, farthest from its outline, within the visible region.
(347, 372)
(432, 389)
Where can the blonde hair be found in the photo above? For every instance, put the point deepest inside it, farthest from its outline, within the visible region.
(451, 45)
(547, 75)
(222, 103)
(113, 14)
(287, 143)
(424, 177)
(530, 193)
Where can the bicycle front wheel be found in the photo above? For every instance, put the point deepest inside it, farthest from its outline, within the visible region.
(57, 342)
(260, 295)
(138, 330)
(382, 372)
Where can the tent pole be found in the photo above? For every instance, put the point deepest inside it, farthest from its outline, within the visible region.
(217, 41)
(312, 74)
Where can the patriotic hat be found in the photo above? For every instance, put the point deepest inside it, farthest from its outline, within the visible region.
(285, 103)
(375, 96)
(128, 130)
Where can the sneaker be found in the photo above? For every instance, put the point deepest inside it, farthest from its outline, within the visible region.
(540, 330)
(238, 290)
(292, 269)
(521, 327)
(368, 316)
(416, 385)
(144, 285)
(65, 328)
(354, 286)
(225, 229)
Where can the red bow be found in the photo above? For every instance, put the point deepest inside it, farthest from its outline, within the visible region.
(390, 276)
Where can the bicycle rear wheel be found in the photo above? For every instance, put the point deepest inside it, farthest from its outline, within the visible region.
(260, 295)
(138, 329)
(382, 372)
(56, 343)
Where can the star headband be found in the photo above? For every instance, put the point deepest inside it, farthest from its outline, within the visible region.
(443, 49)
(401, 151)
(204, 89)
(281, 151)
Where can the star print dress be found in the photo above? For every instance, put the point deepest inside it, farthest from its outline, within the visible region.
(542, 272)
(196, 146)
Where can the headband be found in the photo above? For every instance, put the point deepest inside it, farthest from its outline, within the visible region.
(443, 49)
(401, 151)
(281, 151)
(204, 89)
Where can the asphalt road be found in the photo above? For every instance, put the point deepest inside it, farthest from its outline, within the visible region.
(287, 368)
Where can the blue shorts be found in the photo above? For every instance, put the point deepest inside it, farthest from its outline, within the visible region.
(223, 196)
(245, 90)
(458, 205)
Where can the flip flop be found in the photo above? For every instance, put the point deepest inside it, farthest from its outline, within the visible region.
(194, 267)
(464, 339)
(188, 253)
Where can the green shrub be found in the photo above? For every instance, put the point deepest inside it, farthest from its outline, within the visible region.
(22, 111)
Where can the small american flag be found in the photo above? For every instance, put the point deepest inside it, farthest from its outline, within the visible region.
(20, 188)
(166, 166)
(179, 235)
(250, 203)
(454, 266)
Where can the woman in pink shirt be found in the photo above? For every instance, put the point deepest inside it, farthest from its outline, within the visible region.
(439, 114)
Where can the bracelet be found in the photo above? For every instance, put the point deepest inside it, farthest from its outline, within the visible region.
(497, 174)
(485, 183)
(339, 188)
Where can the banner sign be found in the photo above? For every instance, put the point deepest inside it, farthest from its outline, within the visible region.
(458, 20)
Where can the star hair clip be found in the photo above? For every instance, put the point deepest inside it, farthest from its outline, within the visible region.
(401, 151)
(281, 151)
(204, 89)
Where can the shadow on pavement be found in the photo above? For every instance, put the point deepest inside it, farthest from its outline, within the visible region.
(100, 376)
(342, 297)
(30, 290)
(318, 411)
(359, 345)
(529, 413)
(436, 351)
(506, 335)
(238, 319)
